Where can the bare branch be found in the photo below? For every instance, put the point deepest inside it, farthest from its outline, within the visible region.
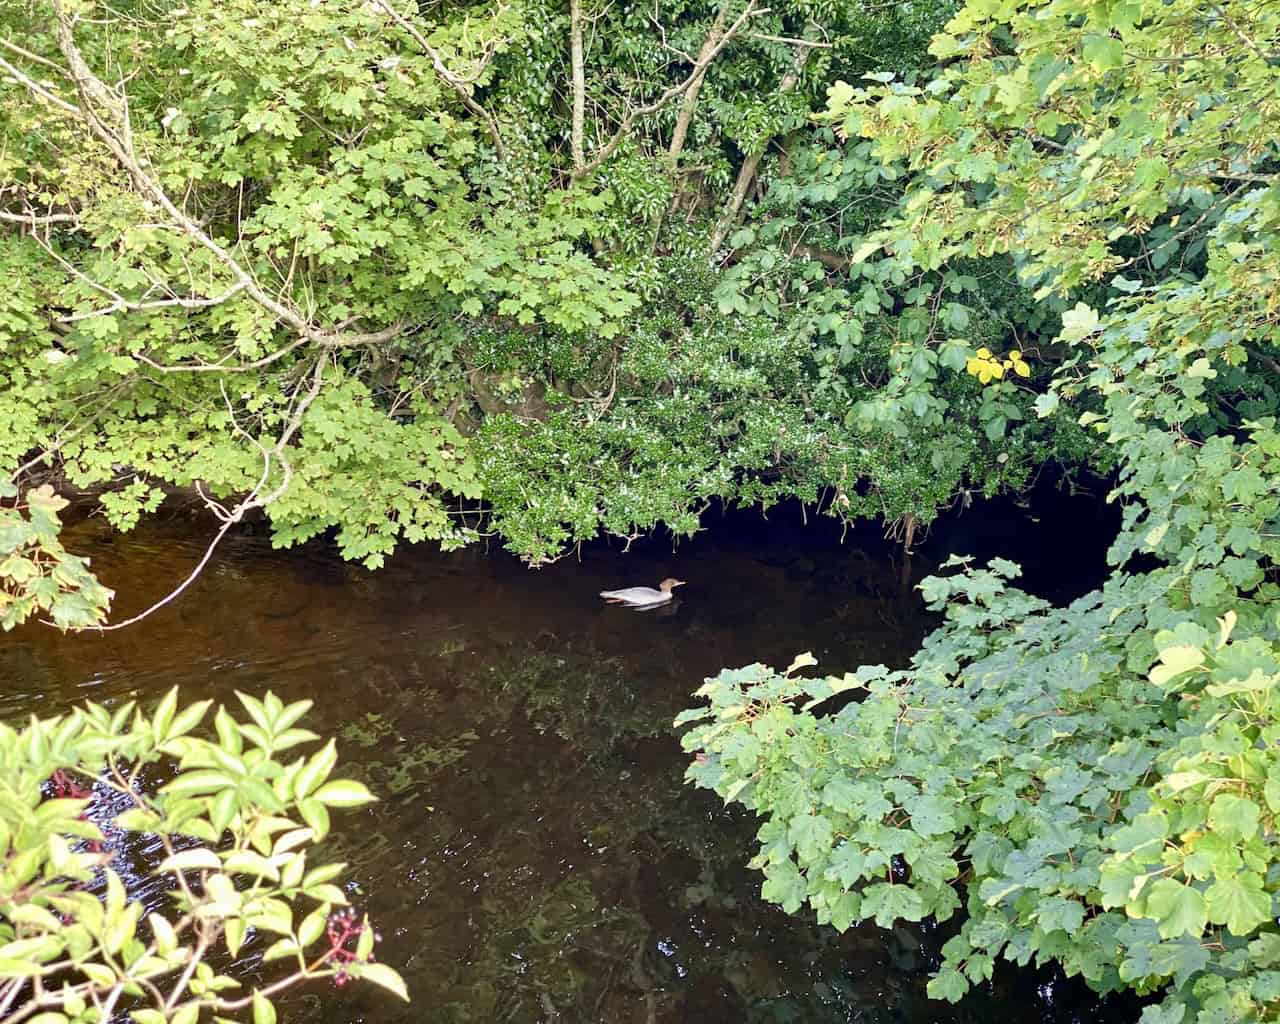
(38, 220)
(790, 41)
(576, 127)
(250, 502)
(38, 90)
(122, 304)
(690, 100)
(35, 58)
(695, 76)
(220, 367)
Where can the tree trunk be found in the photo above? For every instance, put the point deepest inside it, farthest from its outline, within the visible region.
(747, 173)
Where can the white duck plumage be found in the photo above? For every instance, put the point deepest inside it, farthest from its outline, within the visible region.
(642, 597)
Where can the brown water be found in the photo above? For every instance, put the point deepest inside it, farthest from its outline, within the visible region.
(535, 856)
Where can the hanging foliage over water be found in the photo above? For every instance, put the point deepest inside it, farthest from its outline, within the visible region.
(1096, 785)
(354, 266)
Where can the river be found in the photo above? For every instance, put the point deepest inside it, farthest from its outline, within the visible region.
(535, 856)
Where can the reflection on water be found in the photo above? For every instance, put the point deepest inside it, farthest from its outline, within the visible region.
(535, 856)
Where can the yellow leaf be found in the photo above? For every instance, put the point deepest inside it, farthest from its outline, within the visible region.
(997, 371)
(984, 353)
(1021, 368)
(1015, 355)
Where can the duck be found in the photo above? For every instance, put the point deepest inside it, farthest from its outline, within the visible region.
(642, 597)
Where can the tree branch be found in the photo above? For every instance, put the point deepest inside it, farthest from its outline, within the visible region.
(247, 504)
(746, 174)
(121, 304)
(577, 124)
(690, 100)
(455, 83)
(695, 76)
(38, 220)
(38, 90)
(105, 112)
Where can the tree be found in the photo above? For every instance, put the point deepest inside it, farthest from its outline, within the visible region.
(236, 826)
(1094, 785)
(356, 287)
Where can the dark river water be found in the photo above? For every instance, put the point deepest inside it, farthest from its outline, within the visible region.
(536, 856)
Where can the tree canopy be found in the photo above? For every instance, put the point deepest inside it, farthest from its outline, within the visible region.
(360, 266)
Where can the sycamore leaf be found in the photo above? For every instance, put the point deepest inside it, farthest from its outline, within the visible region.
(1240, 902)
(1079, 323)
(1177, 909)
(1175, 661)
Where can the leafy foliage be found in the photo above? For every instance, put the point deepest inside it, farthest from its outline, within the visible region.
(1023, 771)
(236, 826)
(1093, 785)
(37, 574)
(366, 284)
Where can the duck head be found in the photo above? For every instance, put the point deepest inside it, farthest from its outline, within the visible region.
(666, 585)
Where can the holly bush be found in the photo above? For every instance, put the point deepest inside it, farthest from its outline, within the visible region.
(237, 827)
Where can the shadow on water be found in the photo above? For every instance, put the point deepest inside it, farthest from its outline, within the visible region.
(536, 856)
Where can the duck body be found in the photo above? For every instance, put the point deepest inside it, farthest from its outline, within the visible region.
(642, 597)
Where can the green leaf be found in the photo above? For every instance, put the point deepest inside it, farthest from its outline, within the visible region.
(1103, 52)
(312, 926)
(316, 815)
(188, 718)
(1079, 323)
(1173, 1013)
(11, 967)
(165, 937)
(188, 1013)
(1175, 661)
(383, 976)
(250, 863)
(280, 949)
(195, 859)
(948, 984)
(203, 781)
(784, 885)
(263, 1011)
(164, 714)
(1234, 818)
(1177, 909)
(343, 793)
(1046, 404)
(890, 903)
(315, 771)
(930, 815)
(1240, 902)
(234, 932)
(862, 252)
